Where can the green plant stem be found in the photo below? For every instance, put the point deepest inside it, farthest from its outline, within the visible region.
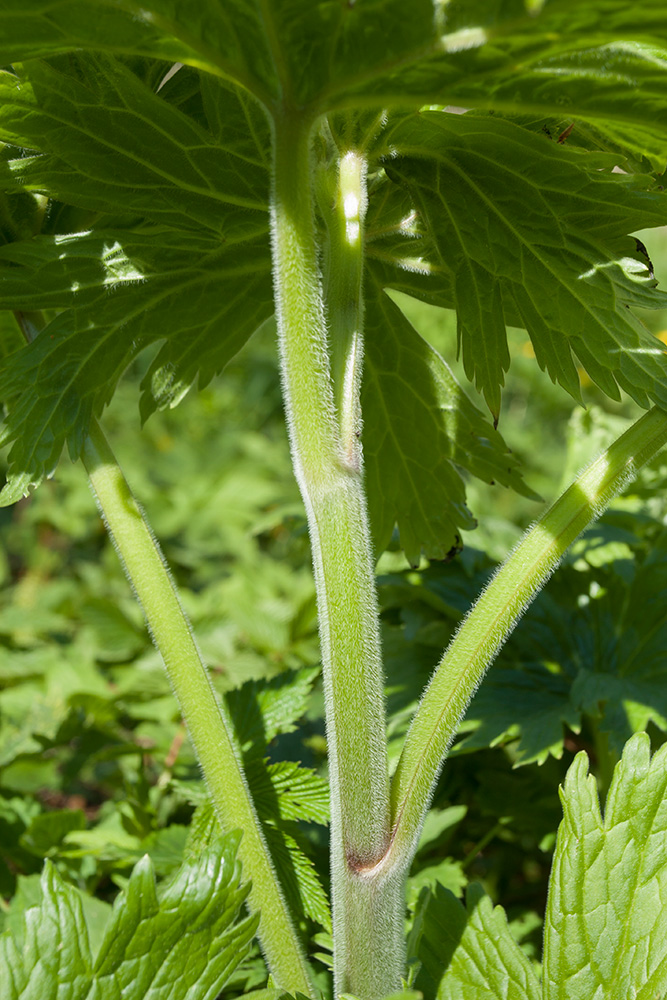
(494, 614)
(330, 478)
(210, 729)
(208, 725)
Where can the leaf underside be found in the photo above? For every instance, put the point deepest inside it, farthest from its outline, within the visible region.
(156, 232)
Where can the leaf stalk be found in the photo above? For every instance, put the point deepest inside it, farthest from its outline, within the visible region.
(493, 616)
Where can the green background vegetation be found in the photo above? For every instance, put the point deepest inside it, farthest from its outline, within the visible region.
(95, 766)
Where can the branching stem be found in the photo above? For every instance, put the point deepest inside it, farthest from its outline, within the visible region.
(495, 613)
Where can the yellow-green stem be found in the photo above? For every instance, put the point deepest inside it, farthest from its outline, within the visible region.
(205, 717)
(493, 616)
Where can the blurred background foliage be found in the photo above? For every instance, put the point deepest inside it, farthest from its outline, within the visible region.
(95, 765)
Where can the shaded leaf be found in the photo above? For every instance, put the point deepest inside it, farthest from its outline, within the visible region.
(511, 214)
(124, 291)
(470, 954)
(419, 430)
(111, 144)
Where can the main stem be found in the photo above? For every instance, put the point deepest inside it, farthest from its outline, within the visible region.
(322, 420)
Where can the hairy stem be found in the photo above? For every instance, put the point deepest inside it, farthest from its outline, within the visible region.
(493, 616)
(208, 724)
(322, 415)
(209, 727)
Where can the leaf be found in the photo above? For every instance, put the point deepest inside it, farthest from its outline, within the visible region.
(606, 924)
(124, 291)
(54, 958)
(112, 145)
(263, 709)
(298, 877)
(512, 213)
(470, 954)
(286, 791)
(419, 430)
(591, 646)
(164, 945)
(50, 27)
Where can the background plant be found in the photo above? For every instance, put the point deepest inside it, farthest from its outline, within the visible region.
(152, 240)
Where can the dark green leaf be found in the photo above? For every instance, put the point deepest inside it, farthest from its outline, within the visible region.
(591, 646)
(124, 291)
(511, 214)
(419, 429)
(111, 144)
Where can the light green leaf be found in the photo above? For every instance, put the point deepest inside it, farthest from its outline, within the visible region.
(606, 922)
(178, 941)
(471, 954)
(53, 959)
(512, 213)
(419, 428)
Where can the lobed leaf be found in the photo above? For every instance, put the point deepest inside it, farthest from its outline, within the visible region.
(109, 144)
(470, 954)
(420, 429)
(119, 292)
(510, 214)
(602, 659)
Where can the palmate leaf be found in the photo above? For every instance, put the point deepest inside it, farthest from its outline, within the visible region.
(526, 227)
(182, 939)
(419, 429)
(505, 55)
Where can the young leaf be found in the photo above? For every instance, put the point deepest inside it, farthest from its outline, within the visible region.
(470, 954)
(180, 940)
(54, 956)
(606, 923)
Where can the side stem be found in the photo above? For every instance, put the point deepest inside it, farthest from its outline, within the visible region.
(209, 726)
(493, 616)
(322, 416)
